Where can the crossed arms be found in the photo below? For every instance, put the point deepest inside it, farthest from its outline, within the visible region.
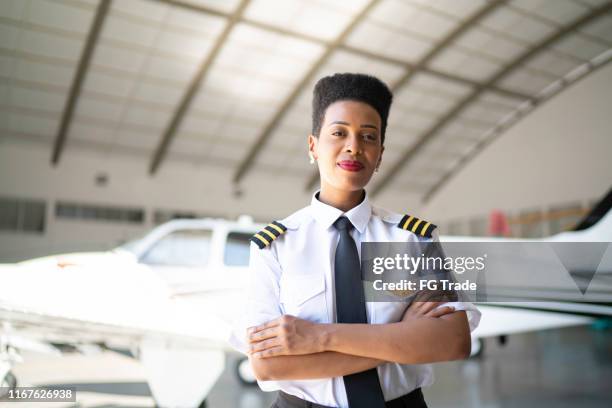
(289, 348)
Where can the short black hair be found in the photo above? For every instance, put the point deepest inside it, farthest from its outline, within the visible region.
(350, 87)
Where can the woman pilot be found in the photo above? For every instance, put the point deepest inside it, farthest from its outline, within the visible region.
(308, 330)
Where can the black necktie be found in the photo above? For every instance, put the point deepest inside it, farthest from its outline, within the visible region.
(362, 389)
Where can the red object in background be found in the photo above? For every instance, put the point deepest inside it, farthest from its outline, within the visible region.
(498, 224)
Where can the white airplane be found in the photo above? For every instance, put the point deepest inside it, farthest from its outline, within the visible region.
(172, 296)
(169, 297)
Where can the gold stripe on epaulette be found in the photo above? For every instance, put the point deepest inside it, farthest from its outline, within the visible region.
(280, 231)
(267, 235)
(416, 225)
(424, 228)
(405, 226)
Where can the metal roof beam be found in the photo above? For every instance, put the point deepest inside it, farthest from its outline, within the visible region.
(79, 78)
(337, 45)
(480, 146)
(422, 64)
(348, 48)
(196, 81)
(288, 102)
(447, 41)
(434, 72)
(457, 109)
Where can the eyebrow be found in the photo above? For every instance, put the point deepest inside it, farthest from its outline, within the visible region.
(340, 122)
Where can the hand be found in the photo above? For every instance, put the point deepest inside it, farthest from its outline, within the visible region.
(287, 335)
(423, 306)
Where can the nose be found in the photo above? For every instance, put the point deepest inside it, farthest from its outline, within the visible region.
(353, 145)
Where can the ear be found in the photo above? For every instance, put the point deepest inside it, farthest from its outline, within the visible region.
(313, 143)
(382, 150)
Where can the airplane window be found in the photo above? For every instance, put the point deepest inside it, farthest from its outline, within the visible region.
(190, 248)
(237, 249)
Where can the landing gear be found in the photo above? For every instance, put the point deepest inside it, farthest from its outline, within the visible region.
(7, 384)
(202, 405)
(477, 348)
(244, 372)
(8, 357)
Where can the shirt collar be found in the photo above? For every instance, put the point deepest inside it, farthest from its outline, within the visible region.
(326, 215)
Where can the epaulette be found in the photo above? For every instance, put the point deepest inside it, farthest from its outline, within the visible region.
(265, 237)
(419, 227)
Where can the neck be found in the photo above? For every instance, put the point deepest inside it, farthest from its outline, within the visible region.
(341, 199)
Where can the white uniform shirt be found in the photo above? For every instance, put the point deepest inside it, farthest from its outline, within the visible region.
(295, 275)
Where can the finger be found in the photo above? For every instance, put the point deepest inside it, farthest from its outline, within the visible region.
(429, 296)
(415, 308)
(263, 335)
(423, 295)
(429, 306)
(271, 352)
(441, 311)
(263, 345)
(420, 303)
(426, 307)
(267, 325)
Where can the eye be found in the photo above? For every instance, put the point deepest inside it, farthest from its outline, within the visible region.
(337, 133)
(370, 137)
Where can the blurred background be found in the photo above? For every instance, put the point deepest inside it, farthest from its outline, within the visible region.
(118, 116)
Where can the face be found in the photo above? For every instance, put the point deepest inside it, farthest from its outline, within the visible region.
(348, 149)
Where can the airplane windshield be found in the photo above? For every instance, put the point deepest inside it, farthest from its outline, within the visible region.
(187, 247)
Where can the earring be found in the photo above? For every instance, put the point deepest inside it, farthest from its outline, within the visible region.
(312, 159)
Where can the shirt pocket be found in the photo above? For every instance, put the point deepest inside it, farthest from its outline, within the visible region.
(303, 296)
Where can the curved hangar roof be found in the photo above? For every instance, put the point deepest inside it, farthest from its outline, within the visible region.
(225, 81)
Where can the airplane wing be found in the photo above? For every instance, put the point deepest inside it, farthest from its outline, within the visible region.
(504, 320)
(179, 338)
(105, 303)
(19, 323)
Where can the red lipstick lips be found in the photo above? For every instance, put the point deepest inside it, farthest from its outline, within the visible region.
(350, 165)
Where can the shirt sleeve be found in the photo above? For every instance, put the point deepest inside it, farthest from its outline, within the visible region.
(472, 312)
(262, 295)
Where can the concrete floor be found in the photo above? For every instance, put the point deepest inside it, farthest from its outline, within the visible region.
(561, 368)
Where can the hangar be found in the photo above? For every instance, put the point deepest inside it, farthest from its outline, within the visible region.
(118, 116)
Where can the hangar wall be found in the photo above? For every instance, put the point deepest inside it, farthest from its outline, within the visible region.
(25, 173)
(559, 153)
